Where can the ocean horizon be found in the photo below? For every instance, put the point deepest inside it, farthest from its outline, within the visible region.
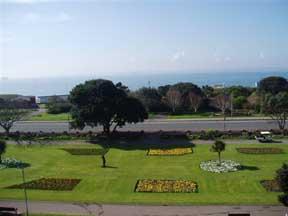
(63, 85)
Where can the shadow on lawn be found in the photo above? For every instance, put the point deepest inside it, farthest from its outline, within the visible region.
(110, 167)
(250, 168)
(151, 142)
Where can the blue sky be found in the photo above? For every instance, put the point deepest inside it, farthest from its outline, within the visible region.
(41, 38)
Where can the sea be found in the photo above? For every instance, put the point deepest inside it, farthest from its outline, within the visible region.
(63, 85)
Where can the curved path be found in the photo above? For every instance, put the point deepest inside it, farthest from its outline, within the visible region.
(144, 210)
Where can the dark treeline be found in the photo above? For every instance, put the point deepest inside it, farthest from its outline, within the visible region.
(186, 97)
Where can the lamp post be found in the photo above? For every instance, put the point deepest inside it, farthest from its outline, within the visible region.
(25, 192)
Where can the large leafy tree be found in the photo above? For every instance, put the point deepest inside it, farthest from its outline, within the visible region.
(100, 102)
(273, 85)
(150, 98)
(218, 146)
(186, 87)
(2, 149)
(277, 107)
(130, 110)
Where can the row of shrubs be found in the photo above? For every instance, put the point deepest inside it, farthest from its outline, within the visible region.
(215, 134)
(203, 135)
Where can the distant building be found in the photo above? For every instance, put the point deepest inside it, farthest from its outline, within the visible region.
(218, 86)
(47, 99)
(19, 101)
(30, 99)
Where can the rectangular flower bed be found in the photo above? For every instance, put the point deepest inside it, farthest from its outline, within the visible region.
(260, 150)
(175, 151)
(57, 184)
(166, 186)
(85, 151)
(271, 185)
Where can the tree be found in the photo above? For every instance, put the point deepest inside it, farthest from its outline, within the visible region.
(162, 90)
(103, 153)
(2, 149)
(273, 85)
(58, 105)
(186, 87)
(194, 100)
(218, 147)
(150, 98)
(100, 102)
(254, 101)
(8, 116)
(173, 99)
(222, 102)
(208, 91)
(277, 107)
(238, 91)
(131, 110)
(282, 179)
(239, 102)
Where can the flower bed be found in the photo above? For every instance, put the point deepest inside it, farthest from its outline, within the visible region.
(175, 151)
(226, 166)
(12, 163)
(85, 151)
(56, 184)
(166, 186)
(271, 185)
(260, 150)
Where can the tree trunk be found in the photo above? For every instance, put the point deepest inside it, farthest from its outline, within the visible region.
(103, 161)
(106, 129)
(7, 131)
(115, 127)
(173, 109)
(219, 156)
(0, 158)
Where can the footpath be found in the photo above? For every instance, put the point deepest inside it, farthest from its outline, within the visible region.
(143, 210)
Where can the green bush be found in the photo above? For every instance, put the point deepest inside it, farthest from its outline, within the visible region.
(57, 108)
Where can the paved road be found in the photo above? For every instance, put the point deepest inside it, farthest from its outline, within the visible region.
(135, 210)
(156, 125)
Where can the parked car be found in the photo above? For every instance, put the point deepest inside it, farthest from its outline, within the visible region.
(264, 136)
(9, 211)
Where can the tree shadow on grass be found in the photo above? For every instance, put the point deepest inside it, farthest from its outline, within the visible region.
(110, 167)
(250, 168)
(149, 142)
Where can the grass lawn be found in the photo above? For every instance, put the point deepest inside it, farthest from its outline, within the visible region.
(192, 115)
(129, 162)
(50, 117)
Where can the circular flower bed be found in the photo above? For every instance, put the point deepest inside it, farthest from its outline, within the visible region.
(226, 166)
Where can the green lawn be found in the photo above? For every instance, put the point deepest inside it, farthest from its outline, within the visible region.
(129, 162)
(50, 117)
(192, 115)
